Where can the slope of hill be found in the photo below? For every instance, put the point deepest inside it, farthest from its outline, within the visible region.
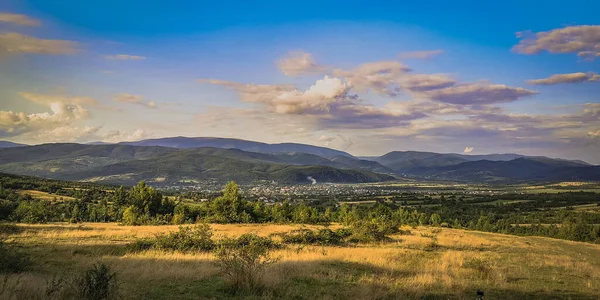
(407, 162)
(121, 163)
(126, 164)
(7, 144)
(195, 165)
(404, 161)
(198, 142)
(520, 169)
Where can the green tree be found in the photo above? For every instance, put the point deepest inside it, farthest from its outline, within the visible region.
(435, 219)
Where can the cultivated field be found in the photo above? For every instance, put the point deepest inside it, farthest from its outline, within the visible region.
(409, 267)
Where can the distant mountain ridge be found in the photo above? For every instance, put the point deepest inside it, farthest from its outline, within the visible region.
(127, 164)
(7, 144)
(178, 159)
(227, 143)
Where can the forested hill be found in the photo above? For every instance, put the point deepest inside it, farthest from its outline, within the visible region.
(126, 164)
(177, 160)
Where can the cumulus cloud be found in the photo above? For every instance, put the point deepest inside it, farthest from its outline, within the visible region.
(328, 98)
(18, 19)
(382, 77)
(479, 94)
(45, 99)
(289, 100)
(134, 99)
(426, 82)
(592, 109)
(60, 115)
(124, 57)
(566, 78)
(468, 150)
(299, 63)
(252, 92)
(16, 43)
(424, 54)
(115, 136)
(583, 40)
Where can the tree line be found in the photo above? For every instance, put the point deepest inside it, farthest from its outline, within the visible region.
(142, 204)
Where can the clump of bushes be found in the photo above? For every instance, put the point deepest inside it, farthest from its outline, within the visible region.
(186, 239)
(98, 282)
(12, 260)
(242, 260)
(323, 236)
(375, 230)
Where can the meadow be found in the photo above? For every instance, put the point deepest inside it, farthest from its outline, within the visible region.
(428, 263)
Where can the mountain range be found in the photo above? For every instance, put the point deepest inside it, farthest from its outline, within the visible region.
(178, 160)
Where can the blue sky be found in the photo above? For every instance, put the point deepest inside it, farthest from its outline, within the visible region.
(391, 75)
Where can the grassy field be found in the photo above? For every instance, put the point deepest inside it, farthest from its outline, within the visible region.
(44, 196)
(407, 267)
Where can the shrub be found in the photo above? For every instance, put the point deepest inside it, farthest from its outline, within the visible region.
(242, 260)
(11, 259)
(323, 236)
(377, 229)
(97, 283)
(140, 245)
(194, 238)
(131, 216)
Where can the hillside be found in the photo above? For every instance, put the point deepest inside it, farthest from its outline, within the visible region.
(191, 164)
(123, 163)
(251, 146)
(7, 144)
(520, 169)
(126, 164)
(406, 267)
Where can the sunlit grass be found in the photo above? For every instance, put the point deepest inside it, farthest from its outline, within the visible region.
(407, 266)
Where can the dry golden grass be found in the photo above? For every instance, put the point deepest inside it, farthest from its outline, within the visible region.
(44, 196)
(409, 266)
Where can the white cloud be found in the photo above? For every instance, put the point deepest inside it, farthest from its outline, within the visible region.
(18, 19)
(583, 40)
(61, 114)
(566, 78)
(124, 57)
(426, 82)
(134, 99)
(382, 77)
(424, 54)
(468, 150)
(115, 136)
(16, 43)
(299, 63)
(45, 99)
(470, 94)
(326, 139)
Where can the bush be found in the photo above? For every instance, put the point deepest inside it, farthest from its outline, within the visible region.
(365, 231)
(242, 260)
(195, 238)
(131, 216)
(11, 259)
(323, 236)
(97, 283)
